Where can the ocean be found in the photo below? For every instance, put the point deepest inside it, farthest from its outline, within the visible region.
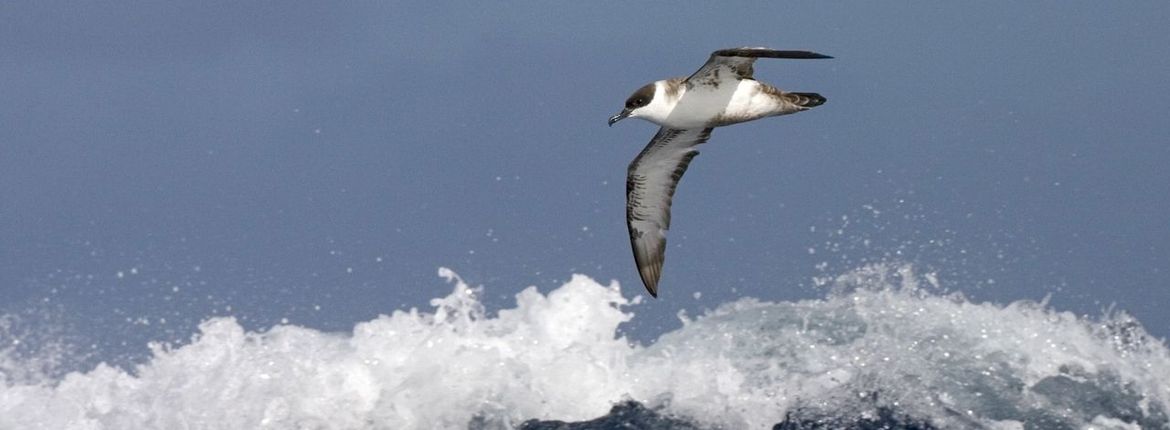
(884, 348)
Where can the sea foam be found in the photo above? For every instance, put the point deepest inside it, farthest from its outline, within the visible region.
(878, 342)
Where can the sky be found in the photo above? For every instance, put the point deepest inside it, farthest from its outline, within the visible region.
(315, 163)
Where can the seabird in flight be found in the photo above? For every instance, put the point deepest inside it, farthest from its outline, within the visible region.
(720, 93)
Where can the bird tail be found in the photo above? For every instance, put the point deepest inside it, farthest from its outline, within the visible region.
(806, 100)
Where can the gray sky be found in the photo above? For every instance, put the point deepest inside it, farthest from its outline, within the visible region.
(318, 161)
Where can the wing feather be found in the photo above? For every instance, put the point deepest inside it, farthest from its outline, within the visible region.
(736, 63)
(650, 183)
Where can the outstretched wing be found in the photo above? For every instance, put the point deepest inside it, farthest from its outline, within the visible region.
(726, 65)
(650, 184)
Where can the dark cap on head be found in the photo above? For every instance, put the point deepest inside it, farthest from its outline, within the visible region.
(641, 97)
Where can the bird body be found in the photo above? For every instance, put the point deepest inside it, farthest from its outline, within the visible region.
(676, 106)
(722, 92)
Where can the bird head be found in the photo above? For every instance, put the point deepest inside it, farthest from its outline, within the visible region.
(636, 104)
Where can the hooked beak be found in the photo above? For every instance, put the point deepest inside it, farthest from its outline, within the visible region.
(620, 116)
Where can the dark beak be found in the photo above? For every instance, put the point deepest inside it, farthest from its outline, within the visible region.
(620, 116)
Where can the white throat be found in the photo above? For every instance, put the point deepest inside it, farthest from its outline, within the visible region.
(661, 105)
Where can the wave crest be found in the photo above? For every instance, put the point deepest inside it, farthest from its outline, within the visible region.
(883, 340)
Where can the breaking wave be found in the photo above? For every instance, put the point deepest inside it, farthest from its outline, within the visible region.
(880, 348)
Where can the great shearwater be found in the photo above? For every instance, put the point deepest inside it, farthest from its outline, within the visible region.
(720, 93)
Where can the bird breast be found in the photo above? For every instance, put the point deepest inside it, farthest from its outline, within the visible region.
(702, 107)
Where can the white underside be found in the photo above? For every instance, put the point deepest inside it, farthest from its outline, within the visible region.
(703, 105)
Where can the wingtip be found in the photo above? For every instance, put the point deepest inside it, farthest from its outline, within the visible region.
(809, 55)
(651, 284)
(757, 52)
